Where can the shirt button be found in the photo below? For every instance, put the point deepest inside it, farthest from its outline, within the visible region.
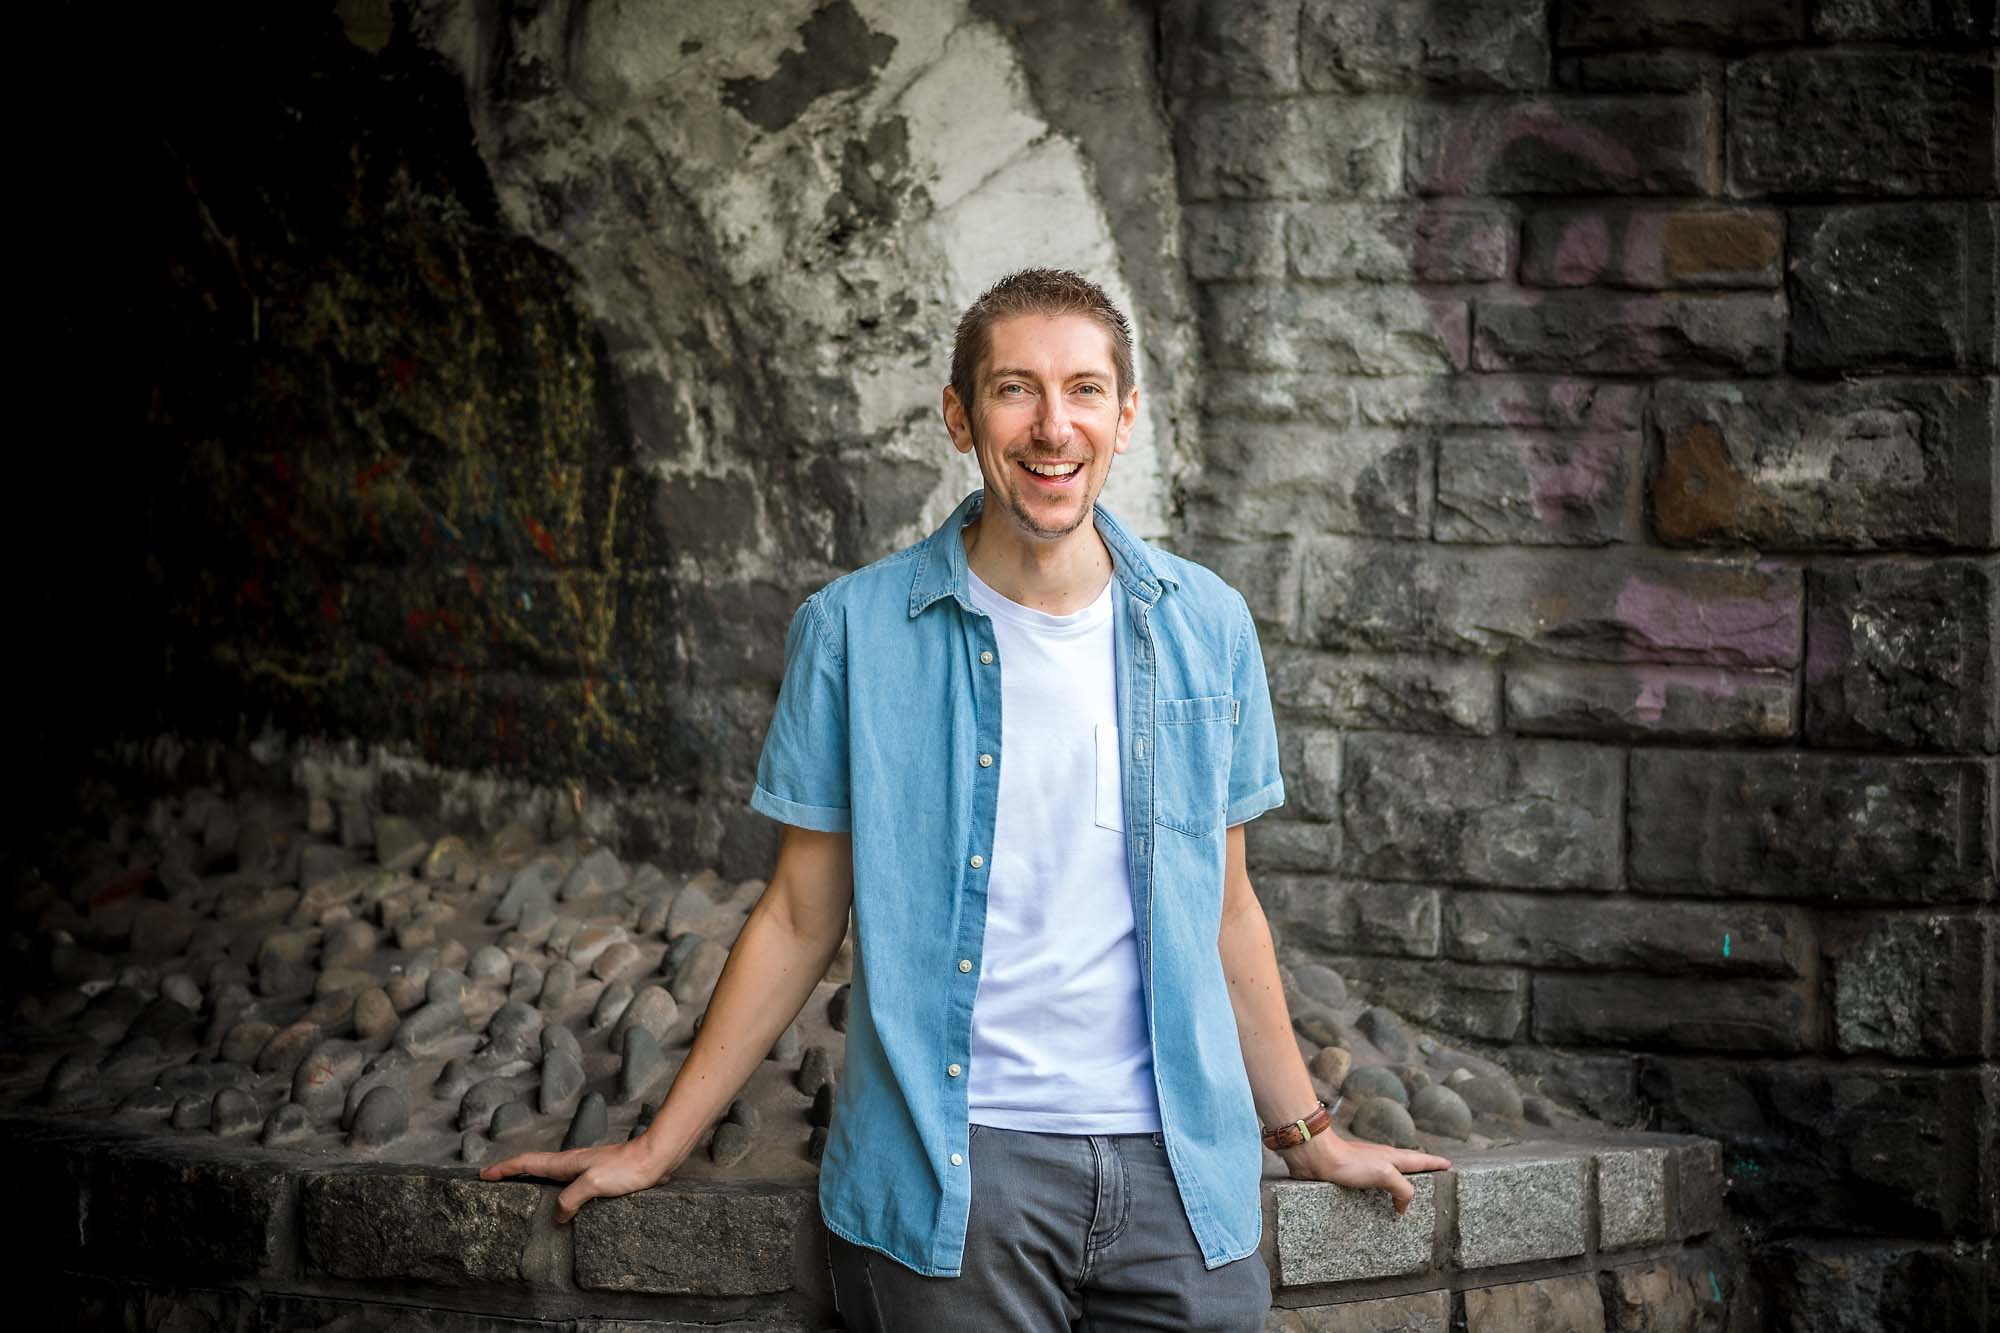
(965, 964)
(986, 761)
(956, 1160)
(986, 659)
(977, 860)
(953, 1070)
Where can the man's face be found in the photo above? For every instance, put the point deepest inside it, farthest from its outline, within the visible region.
(1045, 421)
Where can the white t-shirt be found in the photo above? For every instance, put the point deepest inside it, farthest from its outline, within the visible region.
(1059, 1042)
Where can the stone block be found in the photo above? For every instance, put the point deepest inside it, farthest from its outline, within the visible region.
(1546, 1305)
(1528, 814)
(1904, 655)
(1512, 1212)
(1555, 403)
(1656, 1012)
(1234, 240)
(1383, 44)
(1652, 248)
(1345, 330)
(1874, 463)
(1317, 916)
(1895, 20)
(1651, 702)
(1670, 1295)
(1472, 1001)
(1266, 573)
(1325, 1233)
(1915, 986)
(1309, 757)
(1384, 597)
(1563, 144)
(1864, 1285)
(1277, 395)
(278, 1313)
(1570, 331)
(1423, 1312)
(1644, 71)
(1631, 1197)
(1215, 46)
(692, 1241)
(1535, 488)
(1728, 23)
(1294, 148)
(1833, 827)
(412, 1227)
(1892, 287)
(1384, 693)
(1297, 478)
(1700, 1188)
(1292, 844)
(1604, 1086)
(1432, 242)
(1837, 1149)
(186, 1216)
(1885, 123)
(1634, 934)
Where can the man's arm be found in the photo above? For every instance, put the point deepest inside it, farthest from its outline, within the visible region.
(1278, 1080)
(786, 944)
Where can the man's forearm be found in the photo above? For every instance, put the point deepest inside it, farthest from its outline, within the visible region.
(771, 972)
(1278, 1080)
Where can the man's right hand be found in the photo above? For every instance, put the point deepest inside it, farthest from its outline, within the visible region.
(592, 1173)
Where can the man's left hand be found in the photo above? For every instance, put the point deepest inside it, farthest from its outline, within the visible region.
(1361, 1166)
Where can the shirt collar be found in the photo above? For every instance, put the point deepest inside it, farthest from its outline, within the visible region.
(941, 567)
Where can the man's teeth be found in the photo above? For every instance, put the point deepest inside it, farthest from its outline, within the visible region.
(1051, 469)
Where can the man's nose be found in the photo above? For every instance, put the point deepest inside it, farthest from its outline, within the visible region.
(1052, 423)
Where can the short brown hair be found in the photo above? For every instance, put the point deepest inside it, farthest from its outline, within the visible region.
(1037, 291)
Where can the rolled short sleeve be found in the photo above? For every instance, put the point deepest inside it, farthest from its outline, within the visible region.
(802, 774)
(1255, 784)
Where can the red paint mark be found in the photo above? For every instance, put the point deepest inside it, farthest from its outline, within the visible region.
(373, 473)
(544, 542)
(402, 370)
(474, 579)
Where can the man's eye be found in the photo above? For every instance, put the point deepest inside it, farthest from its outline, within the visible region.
(1090, 388)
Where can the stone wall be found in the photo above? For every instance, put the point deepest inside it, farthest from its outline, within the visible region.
(1599, 410)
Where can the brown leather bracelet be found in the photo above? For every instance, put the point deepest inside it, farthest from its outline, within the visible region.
(1294, 1132)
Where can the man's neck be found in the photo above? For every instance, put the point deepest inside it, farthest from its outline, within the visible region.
(1057, 577)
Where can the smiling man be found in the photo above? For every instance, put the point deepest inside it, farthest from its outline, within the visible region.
(1023, 751)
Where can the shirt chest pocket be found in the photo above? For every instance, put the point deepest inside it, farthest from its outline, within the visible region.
(1192, 739)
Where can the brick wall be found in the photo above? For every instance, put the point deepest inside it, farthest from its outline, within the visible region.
(1599, 412)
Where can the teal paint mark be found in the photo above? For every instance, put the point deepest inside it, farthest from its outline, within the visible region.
(1725, 944)
(1714, 1286)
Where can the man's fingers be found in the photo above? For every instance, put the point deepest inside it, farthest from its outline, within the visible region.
(548, 1165)
(1420, 1161)
(1401, 1191)
(580, 1191)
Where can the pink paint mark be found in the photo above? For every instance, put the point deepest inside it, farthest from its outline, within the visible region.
(1583, 250)
(1569, 475)
(1750, 631)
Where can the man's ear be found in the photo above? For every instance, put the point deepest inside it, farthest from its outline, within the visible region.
(956, 423)
(1128, 417)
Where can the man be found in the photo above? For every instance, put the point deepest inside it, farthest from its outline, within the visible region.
(1023, 751)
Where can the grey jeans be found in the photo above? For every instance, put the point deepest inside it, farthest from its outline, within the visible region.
(1067, 1232)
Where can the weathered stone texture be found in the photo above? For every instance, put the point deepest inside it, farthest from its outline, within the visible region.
(1560, 145)
(1701, 1189)
(1239, 48)
(187, 1216)
(1546, 1305)
(1385, 693)
(1635, 934)
(1329, 916)
(1631, 1197)
(1329, 1234)
(1476, 1001)
(1895, 20)
(1385, 597)
(1653, 247)
(1875, 463)
(1661, 702)
(1524, 814)
(1685, 1294)
(1811, 826)
(1343, 147)
(683, 1241)
(1844, 1287)
(1676, 22)
(411, 1227)
(1382, 44)
(1345, 330)
(1424, 1312)
(1652, 1012)
(1569, 331)
(1293, 844)
(1905, 656)
(1511, 1212)
(1892, 287)
(1546, 402)
(1913, 986)
(1536, 489)
(1305, 479)
(1439, 242)
(1885, 123)
(1231, 240)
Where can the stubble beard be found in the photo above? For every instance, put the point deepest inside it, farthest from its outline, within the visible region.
(1009, 498)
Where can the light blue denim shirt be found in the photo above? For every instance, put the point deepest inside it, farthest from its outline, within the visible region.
(888, 727)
